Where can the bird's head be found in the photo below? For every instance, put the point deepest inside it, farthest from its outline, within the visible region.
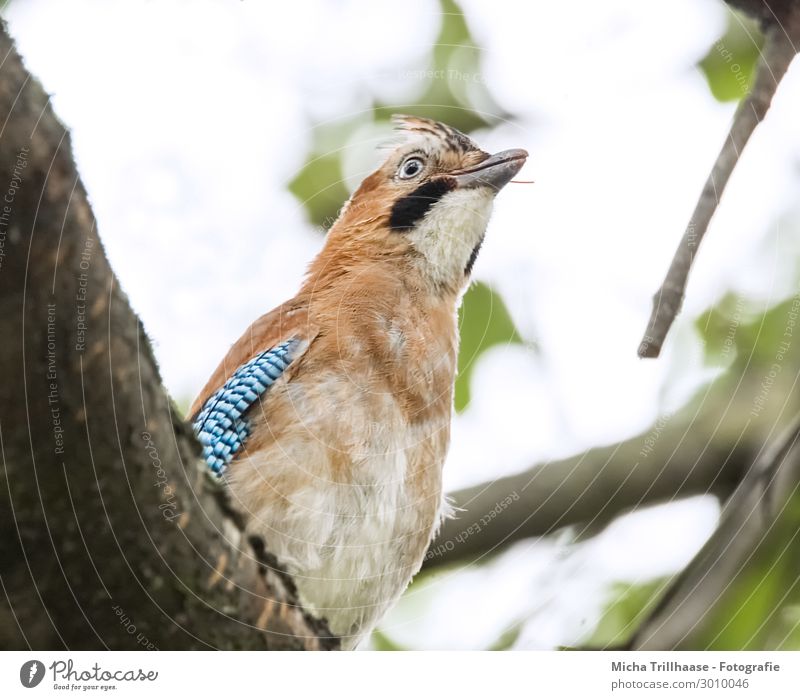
(425, 208)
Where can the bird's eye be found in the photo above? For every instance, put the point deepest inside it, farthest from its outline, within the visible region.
(410, 168)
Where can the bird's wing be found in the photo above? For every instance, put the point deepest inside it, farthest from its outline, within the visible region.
(268, 351)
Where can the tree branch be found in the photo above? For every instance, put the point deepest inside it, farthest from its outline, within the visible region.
(113, 536)
(748, 520)
(705, 448)
(782, 41)
(591, 489)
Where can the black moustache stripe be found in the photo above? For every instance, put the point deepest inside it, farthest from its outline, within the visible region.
(409, 210)
(473, 256)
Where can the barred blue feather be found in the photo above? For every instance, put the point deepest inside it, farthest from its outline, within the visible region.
(222, 425)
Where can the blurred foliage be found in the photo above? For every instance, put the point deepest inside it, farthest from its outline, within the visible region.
(450, 85)
(751, 336)
(456, 81)
(507, 639)
(717, 328)
(320, 188)
(760, 607)
(380, 641)
(730, 63)
(484, 321)
(629, 606)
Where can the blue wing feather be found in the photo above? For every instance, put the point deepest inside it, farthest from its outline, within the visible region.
(221, 425)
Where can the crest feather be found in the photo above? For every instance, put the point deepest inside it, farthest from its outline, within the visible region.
(410, 128)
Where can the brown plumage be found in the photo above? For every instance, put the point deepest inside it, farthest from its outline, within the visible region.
(341, 472)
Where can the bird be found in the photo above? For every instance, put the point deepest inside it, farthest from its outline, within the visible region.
(328, 421)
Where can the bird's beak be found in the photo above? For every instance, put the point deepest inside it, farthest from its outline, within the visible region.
(494, 172)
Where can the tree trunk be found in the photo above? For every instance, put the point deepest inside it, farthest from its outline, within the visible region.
(113, 537)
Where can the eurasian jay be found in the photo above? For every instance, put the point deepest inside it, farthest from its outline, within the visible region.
(329, 419)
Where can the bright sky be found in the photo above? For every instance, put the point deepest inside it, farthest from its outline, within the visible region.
(188, 119)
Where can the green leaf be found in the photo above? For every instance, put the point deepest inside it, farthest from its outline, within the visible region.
(790, 621)
(454, 64)
(484, 321)
(759, 607)
(629, 605)
(719, 329)
(740, 330)
(507, 639)
(451, 83)
(320, 188)
(730, 63)
(381, 642)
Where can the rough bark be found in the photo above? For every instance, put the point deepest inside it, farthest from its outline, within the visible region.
(112, 535)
